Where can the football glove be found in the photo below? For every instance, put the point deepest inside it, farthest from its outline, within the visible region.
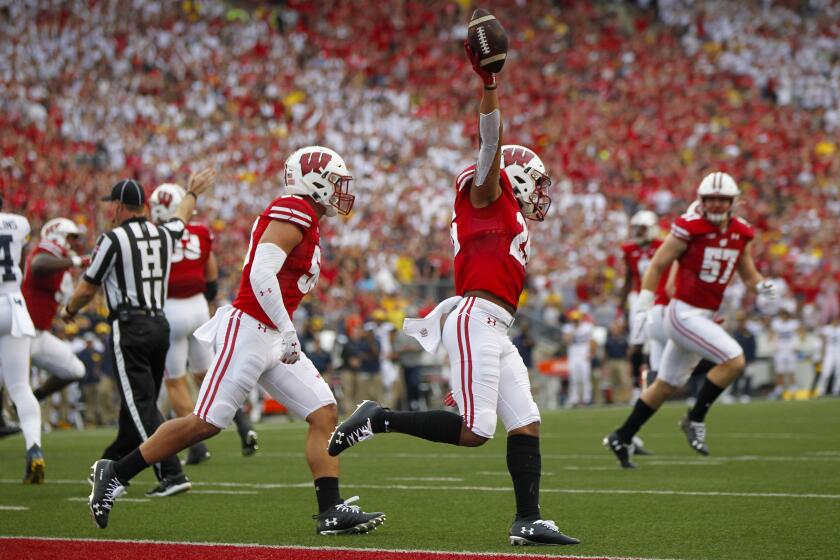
(767, 289)
(290, 347)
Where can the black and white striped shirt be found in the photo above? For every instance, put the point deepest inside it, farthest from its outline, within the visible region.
(133, 262)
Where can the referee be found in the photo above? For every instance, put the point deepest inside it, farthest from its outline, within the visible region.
(132, 264)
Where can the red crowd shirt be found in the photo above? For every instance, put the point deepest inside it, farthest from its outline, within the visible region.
(302, 267)
(42, 292)
(189, 261)
(711, 259)
(491, 244)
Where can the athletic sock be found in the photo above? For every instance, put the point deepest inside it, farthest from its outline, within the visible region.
(637, 358)
(640, 414)
(432, 425)
(525, 465)
(707, 395)
(129, 466)
(243, 423)
(326, 490)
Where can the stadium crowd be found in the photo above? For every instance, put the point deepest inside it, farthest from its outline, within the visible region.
(628, 105)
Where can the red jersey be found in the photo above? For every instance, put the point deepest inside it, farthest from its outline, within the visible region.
(302, 267)
(710, 260)
(42, 292)
(637, 258)
(189, 261)
(491, 244)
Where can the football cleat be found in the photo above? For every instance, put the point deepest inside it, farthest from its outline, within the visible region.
(622, 451)
(250, 443)
(695, 432)
(639, 447)
(35, 465)
(169, 487)
(197, 454)
(106, 489)
(539, 532)
(360, 426)
(344, 519)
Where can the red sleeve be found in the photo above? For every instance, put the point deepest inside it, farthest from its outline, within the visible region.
(683, 228)
(626, 249)
(292, 209)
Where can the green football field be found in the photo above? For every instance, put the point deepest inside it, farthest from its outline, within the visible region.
(770, 489)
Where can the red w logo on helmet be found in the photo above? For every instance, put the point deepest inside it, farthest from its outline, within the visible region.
(517, 156)
(313, 161)
(164, 198)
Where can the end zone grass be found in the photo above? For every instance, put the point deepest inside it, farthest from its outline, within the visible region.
(770, 489)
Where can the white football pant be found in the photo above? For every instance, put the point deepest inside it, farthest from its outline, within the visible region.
(692, 333)
(247, 352)
(56, 356)
(14, 368)
(186, 354)
(657, 339)
(487, 374)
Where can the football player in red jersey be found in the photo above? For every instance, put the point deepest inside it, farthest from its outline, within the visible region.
(709, 247)
(644, 226)
(46, 280)
(193, 283)
(488, 377)
(254, 341)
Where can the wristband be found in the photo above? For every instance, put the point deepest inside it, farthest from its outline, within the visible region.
(67, 310)
(195, 196)
(76, 260)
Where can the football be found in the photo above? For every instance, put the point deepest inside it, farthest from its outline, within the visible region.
(488, 40)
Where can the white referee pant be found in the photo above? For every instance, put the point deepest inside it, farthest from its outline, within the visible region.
(692, 334)
(247, 352)
(56, 356)
(487, 374)
(186, 353)
(16, 332)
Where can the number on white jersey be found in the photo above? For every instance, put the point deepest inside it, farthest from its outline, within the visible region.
(711, 270)
(308, 279)
(7, 273)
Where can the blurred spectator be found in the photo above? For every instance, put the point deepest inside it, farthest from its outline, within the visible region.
(616, 371)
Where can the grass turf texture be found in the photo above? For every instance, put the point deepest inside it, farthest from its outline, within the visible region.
(440, 497)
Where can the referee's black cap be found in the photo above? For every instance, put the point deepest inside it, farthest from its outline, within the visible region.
(127, 191)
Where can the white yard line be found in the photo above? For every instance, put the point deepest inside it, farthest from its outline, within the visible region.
(424, 488)
(442, 553)
(13, 508)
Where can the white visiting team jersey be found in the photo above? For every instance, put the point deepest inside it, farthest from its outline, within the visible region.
(581, 334)
(14, 233)
(785, 331)
(832, 339)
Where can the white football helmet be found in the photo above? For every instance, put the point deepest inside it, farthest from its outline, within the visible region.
(528, 178)
(58, 229)
(322, 174)
(645, 226)
(718, 184)
(165, 200)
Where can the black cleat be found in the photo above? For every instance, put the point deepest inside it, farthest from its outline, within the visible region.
(695, 432)
(35, 465)
(639, 447)
(106, 489)
(622, 451)
(539, 532)
(170, 486)
(344, 519)
(250, 443)
(197, 454)
(360, 426)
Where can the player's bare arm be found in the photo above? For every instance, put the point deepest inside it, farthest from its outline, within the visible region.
(199, 183)
(625, 288)
(752, 277)
(82, 296)
(276, 243)
(671, 283)
(664, 257)
(43, 264)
